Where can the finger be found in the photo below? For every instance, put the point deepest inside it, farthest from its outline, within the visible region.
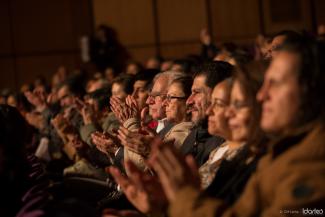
(144, 112)
(193, 169)
(121, 135)
(110, 213)
(165, 163)
(113, 99)
(190, 161)
(113, 109)
(135, 174)
(133, 102)
(129, 143)
(122, 140)
(154, 145)
(116, 100)
(124, 114)
(163, 177)
(99, 141)
(171, 158)
(114, 103)
(123, 130)
(94, 135)
(147, 131)
(119, 178)
(128, 100)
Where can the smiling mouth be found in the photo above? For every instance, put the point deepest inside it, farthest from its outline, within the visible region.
(193, 110)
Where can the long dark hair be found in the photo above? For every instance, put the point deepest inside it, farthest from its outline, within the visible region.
(250, 78)
(311, 77)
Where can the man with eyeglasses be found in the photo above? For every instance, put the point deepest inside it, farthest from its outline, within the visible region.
(157, 111)
(199, 142)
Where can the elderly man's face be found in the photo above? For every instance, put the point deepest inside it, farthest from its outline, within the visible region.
(156, 98)
(280, 93)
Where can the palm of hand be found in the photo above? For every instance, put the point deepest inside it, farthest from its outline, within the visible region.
(143, 190)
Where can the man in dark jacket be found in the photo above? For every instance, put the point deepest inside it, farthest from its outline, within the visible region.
(199, 142)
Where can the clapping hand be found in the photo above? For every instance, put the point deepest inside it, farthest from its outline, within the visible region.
(142, 189)
(174, 171)
(124, 110)
(104, 142)
(138, 141)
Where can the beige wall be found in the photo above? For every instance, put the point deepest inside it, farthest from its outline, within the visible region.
(171, 27)
(37, 36)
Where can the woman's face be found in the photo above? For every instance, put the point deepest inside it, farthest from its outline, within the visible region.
(140, 93)
(175, 103)
(218, 125)
(239, 114)
(117, 91)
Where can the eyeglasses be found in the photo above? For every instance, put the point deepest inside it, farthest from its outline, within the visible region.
(155, 95)
(169, 97)
(237, 105)
(219, 103)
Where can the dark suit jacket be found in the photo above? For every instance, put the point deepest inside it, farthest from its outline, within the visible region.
(200, 143)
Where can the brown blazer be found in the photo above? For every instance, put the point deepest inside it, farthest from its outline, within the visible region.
(288, 180)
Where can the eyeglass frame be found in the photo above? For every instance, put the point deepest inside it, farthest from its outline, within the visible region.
(154, 96)
(168, 98)
(238, 105)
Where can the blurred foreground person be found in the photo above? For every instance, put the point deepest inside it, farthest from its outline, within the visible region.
(291, 175)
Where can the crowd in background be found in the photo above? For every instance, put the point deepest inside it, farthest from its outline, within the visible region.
(232, 131)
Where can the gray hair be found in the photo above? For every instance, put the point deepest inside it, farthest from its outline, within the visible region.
(171, 75)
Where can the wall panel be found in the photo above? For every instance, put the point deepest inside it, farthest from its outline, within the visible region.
(319, 9)
(181, 20)
(290, 14)
(133, 20)
(7, 73)
(37, 36)
(180, 50)
(42, 25)
(142, 54)
(233, 19)
(29, 68)
(5, 34)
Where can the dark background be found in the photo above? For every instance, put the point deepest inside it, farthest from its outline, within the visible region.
(37, 36)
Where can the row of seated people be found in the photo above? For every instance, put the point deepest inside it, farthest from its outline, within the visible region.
(233, 139)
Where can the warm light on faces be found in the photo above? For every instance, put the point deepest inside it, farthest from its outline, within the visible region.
(140, 93)
(199, 100)
(65, 97)
(280, 93)
(175, 103)
(218, 125)
(156, 98)
(117, 91)
(239, 115)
